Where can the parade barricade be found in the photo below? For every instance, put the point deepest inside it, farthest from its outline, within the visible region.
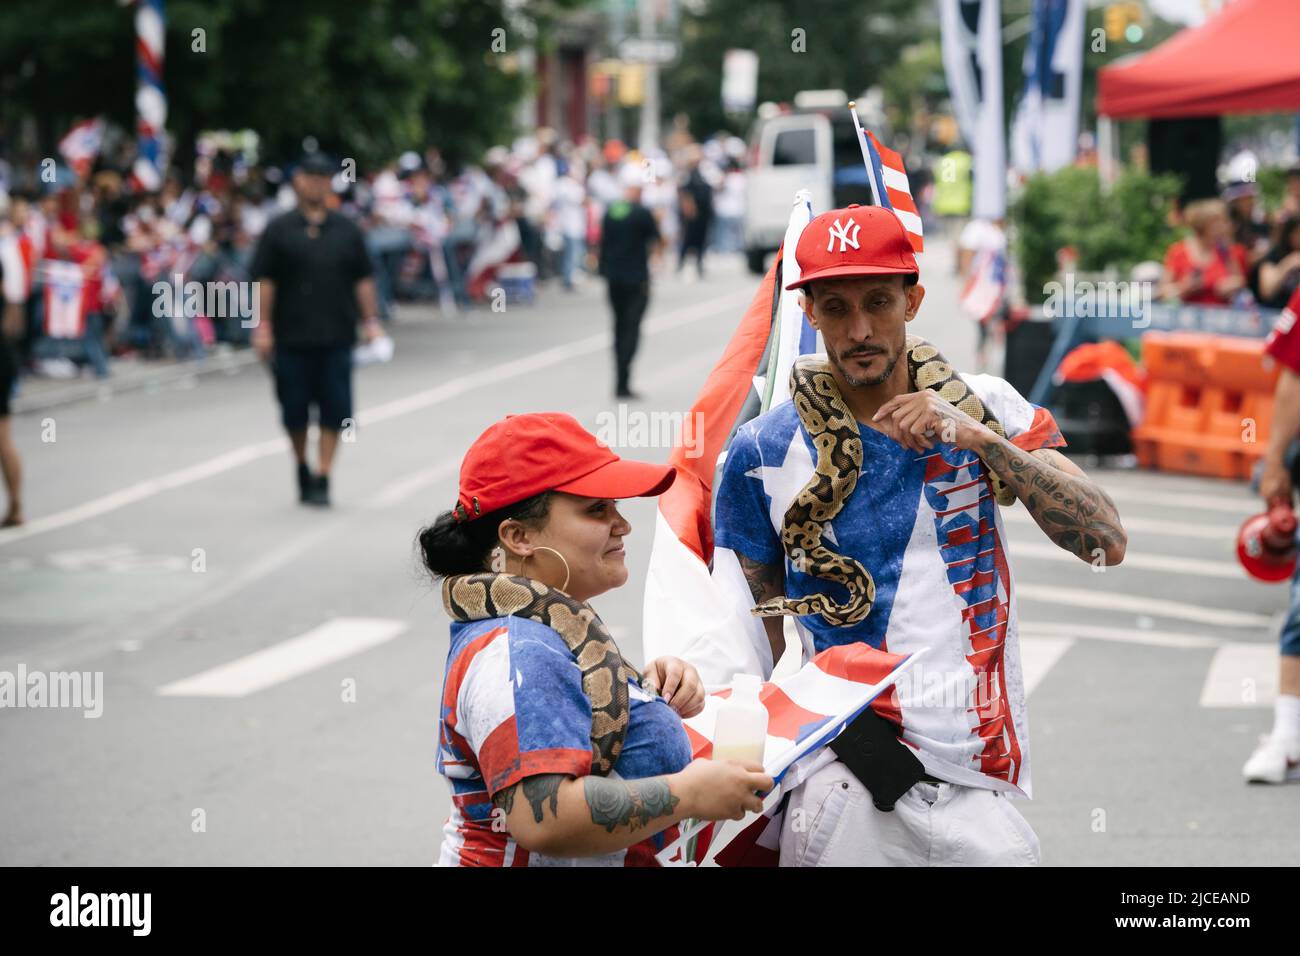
(1209, 384)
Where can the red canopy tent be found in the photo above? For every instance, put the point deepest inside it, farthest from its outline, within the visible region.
(1244, 59)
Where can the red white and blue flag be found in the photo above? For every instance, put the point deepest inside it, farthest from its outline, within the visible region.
(81, 144)
(986, 287)
(806, 710)
(888, 179)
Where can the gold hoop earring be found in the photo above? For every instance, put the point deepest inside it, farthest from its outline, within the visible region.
(542, 547)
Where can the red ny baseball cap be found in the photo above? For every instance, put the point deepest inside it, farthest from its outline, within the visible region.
(524, 455)
(854, 241)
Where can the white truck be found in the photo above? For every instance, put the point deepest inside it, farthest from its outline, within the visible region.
(812, 146)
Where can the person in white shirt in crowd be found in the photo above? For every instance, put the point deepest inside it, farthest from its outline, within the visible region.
(571, 219)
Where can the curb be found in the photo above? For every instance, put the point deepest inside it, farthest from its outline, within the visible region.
(104, 390)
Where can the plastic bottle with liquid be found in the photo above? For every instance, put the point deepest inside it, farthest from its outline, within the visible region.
(741, 730)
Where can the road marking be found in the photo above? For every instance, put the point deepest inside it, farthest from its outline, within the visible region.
(1038, 655)
(403, 406)
(145, 489)
(1167, 563)
(1127, 635)
(1110, 601)
(1238, 506)
(332, 641)
(1241, 675)
(1175, 529)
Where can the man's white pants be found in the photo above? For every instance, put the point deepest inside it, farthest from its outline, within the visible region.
(831, 821)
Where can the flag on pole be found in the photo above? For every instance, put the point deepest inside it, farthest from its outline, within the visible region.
(80, 145)
(806, 711)
(888, 179)
(693, 608)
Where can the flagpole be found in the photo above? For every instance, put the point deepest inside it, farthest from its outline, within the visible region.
(866, 156)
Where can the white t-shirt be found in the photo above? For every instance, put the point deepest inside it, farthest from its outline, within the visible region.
(928, 530)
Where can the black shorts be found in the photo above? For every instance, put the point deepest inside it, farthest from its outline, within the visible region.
(314, 376)
(8, 373)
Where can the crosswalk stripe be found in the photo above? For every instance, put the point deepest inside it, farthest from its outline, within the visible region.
(1167, 563)
(1170, 499)
(1038, 655)
(1110, 601)
(1241, 675)
(1127, 635)
(1173, 529)
(332, 641)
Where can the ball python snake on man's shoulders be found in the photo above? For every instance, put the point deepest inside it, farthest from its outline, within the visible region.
(837, 442)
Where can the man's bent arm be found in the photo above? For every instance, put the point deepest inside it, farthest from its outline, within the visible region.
(1071, 509)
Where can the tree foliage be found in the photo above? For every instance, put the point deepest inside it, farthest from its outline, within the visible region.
(367, 79)
(844, 46)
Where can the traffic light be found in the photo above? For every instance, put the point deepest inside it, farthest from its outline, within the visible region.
(1123, 21)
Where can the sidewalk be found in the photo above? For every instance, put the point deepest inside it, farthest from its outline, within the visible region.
(36, 393)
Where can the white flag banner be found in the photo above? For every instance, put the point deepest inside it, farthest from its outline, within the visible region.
(1045, 133)
(972, 60)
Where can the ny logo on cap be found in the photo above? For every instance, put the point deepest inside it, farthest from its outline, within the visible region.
(840, 231)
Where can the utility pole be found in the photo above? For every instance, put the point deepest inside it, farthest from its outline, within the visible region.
(648, 134)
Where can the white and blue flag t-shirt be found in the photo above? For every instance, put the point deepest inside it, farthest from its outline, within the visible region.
(927, 528)
(513, 707)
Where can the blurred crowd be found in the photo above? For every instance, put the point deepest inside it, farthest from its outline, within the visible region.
(1236, 252)
(94, 267)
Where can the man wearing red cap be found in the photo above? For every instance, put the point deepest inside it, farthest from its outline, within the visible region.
(922, 521)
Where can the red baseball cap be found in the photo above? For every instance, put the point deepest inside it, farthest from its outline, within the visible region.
(853, 241)
(524, 455)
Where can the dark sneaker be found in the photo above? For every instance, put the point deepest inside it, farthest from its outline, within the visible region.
(320, 491)
(305, 478)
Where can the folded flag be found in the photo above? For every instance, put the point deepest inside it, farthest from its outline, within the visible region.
(806, 711)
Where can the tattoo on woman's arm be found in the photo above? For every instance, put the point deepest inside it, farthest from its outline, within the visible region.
(1072, 511)
(538, 791)
(630, 803)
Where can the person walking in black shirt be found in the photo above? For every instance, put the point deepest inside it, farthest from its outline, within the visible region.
(627, 236)
(313, 272)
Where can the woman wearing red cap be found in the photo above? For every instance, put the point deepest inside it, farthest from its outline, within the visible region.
(556, 749)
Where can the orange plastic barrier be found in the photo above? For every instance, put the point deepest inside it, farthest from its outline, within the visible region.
(1209, 404)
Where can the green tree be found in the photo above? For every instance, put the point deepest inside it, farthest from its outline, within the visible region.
(367, 79)
(841, 46)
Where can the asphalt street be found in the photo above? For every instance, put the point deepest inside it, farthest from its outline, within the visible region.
(271, 673)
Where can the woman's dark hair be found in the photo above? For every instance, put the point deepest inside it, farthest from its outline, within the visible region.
(450, 547)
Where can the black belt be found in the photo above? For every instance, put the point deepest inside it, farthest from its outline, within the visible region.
(886, 766)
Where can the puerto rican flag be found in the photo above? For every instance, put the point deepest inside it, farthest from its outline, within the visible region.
(806, 711)
(889, 186)
(692, 610)
(984, 291)
(65, 299)
(80, 145)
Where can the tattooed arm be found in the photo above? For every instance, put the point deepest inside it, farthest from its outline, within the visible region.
(1071, 509)
(560, 815)
(767, 581)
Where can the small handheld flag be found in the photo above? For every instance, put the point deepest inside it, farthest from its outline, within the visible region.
(888, 179)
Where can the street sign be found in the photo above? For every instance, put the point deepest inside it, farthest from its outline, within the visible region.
(642, 50)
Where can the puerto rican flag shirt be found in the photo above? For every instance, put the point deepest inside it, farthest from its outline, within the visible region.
(513, 706)
(927, 528)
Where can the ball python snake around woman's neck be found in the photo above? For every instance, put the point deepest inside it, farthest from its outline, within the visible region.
(477, 597)
(837, 441)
